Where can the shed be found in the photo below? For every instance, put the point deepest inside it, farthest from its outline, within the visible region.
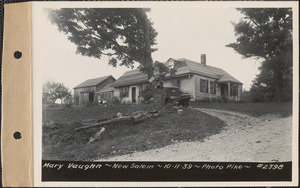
(84, 93)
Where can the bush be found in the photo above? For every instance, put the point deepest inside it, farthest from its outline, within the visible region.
(257, 95)
(222, 99)
(205, 99)
(214, 100)
(147, 94)
(126, 102)
(225, 99)
(115, 100)
(68, 102)
(246, 96)
(258, 99)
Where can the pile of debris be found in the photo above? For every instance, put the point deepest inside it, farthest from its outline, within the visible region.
(87, 127)
(133, 118)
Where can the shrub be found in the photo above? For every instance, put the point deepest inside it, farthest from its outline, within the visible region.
(258, 99)
(147, 94)
(115, 100)
(246, 96)
(126, 102)
(222, 99)
(214, 100)
(225, 99)
(205, 99)
(257, 96)
(68, 102)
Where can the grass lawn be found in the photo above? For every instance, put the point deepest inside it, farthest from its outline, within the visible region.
(64, 143)
(283, 109)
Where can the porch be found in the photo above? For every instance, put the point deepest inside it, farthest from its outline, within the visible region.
(229, 90)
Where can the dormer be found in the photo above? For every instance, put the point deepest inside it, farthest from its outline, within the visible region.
(170, 63)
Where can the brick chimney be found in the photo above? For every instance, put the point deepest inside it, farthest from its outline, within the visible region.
(203, 59)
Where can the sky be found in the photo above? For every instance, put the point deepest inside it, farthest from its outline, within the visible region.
(182, 33)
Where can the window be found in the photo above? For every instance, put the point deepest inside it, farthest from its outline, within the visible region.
(169, 64)
(124, 92)
(212, 85)
(203, 86)
(178, 83)
(175, 83)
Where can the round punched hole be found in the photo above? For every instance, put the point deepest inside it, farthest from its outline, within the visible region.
(18, 54)
(17, 135)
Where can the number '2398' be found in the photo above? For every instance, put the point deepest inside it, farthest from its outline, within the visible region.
(270, 166)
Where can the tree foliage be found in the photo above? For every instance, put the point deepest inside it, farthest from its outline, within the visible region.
(53, 91)
(125, 35)
(266, 33)
(163, 70)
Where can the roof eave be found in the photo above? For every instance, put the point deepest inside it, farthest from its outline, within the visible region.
(230, 82)
(128, 84)
(76, 87)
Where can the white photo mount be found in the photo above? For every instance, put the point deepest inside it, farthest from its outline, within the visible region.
(22, 84)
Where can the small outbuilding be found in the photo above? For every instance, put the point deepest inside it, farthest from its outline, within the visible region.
(85, 92)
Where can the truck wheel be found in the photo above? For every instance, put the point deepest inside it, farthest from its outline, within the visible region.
(185, 104)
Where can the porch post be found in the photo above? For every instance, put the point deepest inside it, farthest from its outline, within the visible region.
(228, 90)
(238, 92)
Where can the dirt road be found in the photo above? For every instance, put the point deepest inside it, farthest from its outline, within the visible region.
(245, 138)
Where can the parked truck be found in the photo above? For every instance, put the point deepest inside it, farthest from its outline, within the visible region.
(174, 95)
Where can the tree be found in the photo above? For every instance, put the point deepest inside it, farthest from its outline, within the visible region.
(164, 71)
(125, 35)
(266, 33)
(53, 91)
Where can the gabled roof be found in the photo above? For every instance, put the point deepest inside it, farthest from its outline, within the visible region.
(209, 71)
(228, 78)
(184, 67)
(189, 66)
(131, 77)
(106, 88)
(93, 82)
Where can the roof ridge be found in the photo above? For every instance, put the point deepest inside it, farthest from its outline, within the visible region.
(201, 64)
(184, 59)
(99, 77)
(222, 73)
(88, 81)
(187, 65)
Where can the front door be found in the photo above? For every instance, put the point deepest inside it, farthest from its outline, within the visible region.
(222, 89)
(91, 97)
(133, 94)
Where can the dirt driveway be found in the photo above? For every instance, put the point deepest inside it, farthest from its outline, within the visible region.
(245, 138)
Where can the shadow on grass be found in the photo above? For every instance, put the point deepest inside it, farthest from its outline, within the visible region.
(283, 109)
